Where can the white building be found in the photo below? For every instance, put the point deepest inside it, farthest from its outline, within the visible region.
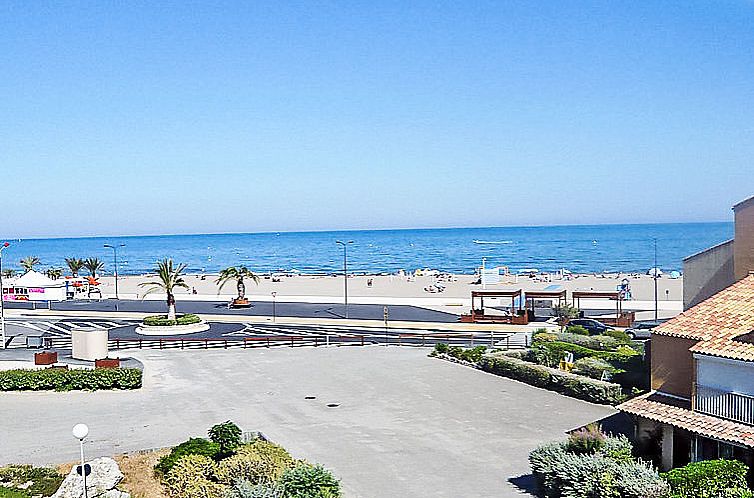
(33, 286)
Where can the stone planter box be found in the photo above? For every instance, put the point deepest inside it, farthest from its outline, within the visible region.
(45, 358)
(172, 329)
(107, 363)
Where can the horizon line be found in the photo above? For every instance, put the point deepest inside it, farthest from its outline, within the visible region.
(268, 232)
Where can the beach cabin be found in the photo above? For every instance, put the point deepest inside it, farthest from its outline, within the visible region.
(33, 286)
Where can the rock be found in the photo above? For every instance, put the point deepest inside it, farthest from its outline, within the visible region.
(100, 483)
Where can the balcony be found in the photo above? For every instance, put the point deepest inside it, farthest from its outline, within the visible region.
(731, 406)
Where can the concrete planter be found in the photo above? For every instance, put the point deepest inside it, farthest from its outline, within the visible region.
(158, 330)
(45, 358)
(107, 363)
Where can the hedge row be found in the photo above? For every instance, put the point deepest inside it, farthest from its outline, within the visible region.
(726, 478)
(54, 379)
(162, 320)
(577, 386)
(622, 353)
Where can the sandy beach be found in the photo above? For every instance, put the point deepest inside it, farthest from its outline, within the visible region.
(394, 289)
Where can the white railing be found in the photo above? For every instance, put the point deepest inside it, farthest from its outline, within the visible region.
(724, 404)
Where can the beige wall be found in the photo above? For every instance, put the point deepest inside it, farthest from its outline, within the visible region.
(707, 273)
(743, 251)
(672, 365)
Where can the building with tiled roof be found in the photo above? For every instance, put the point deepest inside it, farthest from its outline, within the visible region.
(702, 369)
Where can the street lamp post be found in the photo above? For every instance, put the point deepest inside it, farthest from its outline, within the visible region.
(2, 298)
(273, 306)
(80, 431)
(654, 272)
(345, 271)
(115, 261)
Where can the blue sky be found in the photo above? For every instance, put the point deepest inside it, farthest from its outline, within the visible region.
(194, 117)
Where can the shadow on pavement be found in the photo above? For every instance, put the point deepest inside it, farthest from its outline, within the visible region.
(525, 483)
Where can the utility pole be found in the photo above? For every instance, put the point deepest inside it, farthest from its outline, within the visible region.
(115, 261)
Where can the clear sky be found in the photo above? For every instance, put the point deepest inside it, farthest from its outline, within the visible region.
(194, 117)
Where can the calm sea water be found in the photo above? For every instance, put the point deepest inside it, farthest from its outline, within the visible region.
(582, 248)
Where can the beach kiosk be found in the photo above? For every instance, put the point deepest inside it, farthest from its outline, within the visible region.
(34, 286)
(621, 318)
(552, 295)
(517, 316)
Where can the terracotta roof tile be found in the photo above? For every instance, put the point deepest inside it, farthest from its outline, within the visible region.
(717, 321)
(665, 409)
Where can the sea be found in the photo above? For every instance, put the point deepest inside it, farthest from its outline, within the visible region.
(578, 248)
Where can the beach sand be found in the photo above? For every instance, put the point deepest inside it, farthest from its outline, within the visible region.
(394, 290)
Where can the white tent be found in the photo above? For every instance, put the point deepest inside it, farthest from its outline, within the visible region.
(33, 286)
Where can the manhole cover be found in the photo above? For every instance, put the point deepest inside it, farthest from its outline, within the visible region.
(310, 397)
(333, 405)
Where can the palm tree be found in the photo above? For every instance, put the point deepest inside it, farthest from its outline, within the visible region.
(75, 265)
(238, 274)
(93, 265)
(168, 278)
(9, 273)
(29, 262)
(54, 273)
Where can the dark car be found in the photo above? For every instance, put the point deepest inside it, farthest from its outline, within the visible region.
(594, 327)
(641, 330)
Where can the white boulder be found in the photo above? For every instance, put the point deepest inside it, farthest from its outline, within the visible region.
(100, 483)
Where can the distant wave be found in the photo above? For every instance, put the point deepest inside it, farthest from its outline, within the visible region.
(493, 242)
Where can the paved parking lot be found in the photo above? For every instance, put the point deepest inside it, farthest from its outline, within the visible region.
(405, 425)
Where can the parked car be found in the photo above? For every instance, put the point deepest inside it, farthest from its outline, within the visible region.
(594, 327)
(641, 330)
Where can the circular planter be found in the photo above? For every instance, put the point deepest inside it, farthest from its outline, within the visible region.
(172, 329)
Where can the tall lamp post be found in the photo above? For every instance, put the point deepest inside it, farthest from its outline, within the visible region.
(654, 272)
(273, 306)
(345, 271)
(2, 298)
(80, 431)
(115, 261)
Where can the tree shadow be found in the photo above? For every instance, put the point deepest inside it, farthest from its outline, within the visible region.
(526, 483)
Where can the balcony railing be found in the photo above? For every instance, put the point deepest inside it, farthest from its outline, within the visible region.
(732, 406)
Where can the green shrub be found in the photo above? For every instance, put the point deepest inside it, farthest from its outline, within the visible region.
(6, 492)
(310, 481)
(227, 436)
(194, 446)
(618, 335)
(543, 336)
(44, 480)
(709, 478)
(163, 321)
(472, 355)
(258, 463)
(245, 489)
(596, 342)
(573, 385)
(589, 439)
(593, 367)
(623, 353)
(441, 348)
(599, 474)
(577, 329)
(58, 379)
(191, 477)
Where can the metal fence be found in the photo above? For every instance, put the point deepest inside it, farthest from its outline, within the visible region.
(497, 340)
(732, 406)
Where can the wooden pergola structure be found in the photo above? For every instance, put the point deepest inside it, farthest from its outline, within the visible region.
(622, 319)
(478, 314)
(552, 295)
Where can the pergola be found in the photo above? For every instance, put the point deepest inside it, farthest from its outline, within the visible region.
(552, 295)
(477, 314)
(621, 319)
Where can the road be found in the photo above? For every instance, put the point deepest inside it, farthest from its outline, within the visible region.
(123, 334)
(388, 421)
(281, 309)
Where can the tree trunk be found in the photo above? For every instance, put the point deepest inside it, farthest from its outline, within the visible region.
(241, 289)
(171, 306)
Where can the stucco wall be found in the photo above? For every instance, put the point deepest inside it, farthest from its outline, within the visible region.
(672, 365)
(744, 246)
(707, 273)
